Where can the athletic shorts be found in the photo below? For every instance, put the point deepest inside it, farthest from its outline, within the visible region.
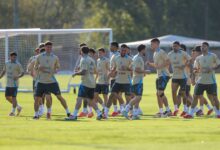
(86, 92)
(188, 88)
(112, 83)
(181, 83)
(47, 88)
(119, 87)
(102, 88)
(211, 89)
(137, 89)
(11, 91)
(161, 83)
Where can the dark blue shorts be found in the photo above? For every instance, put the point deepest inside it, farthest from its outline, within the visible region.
(137, 89)
(181, 83)
(209, 88)
(86, 92)
(161, 83)
(118, 87)
(11, 91)
(47, 88)
(102, 88)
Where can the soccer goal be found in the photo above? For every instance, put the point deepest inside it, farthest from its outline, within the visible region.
(65, 46)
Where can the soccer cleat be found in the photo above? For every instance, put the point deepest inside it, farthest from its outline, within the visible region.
(183, 114)
(188, 116)
(99, 117)
(158, 115)
(135, 117)
(104, 116)
(114, 114)
(210, 112)
(74, 118)
(83, 114)
(175, 112)
(48, 116)
(125, 114)
(90, 115)
(19, 109)
(167, 113)
(218, 116)
(12, 114)
(199, 113)
(35, 117)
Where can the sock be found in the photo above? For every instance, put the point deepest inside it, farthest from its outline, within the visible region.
(49, 110)
(209, 107)
(36, 114)
(98, 112)
(122, 107)
(201, 107)
(135, 112)
(18, 106)
(167, 108)
(216, 111)
(115, 108)
(106, 111)
(161, 110)
(127, 108)
(13, 110)
(67, 111)
(75, 113)
(90, 109)
(85, 110)
(191, 112)
(175, 107)
(187, 109)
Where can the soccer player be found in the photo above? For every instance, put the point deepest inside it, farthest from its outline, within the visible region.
(199, 112)
(161, 64)
(115, 52)
(178, 60)
(122, 65)
(137, 83)
(47, 65)
(87, 86)
(33, 73)
(205, 65)
(102, 85)
(14, 71)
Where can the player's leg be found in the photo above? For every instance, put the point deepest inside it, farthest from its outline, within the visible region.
(48, 98)
(174, 87)
(212, 92)
(183, 91)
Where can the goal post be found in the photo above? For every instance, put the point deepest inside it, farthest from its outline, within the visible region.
(65, 46)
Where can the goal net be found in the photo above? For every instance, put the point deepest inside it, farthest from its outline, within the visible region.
(65, 46)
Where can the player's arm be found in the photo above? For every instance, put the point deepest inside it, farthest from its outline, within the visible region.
(30, 68)
(83, 69)
(3, 72)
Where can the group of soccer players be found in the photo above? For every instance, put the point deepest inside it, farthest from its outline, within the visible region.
(121, 74)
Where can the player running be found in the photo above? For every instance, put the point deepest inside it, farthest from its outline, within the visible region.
(13, 71)
(137, 83)
(178, 60)
(121, 65)
(87, 86)
(47, 65)
(205, 65)
(161, 64)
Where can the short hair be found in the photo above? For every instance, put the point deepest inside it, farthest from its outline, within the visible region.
(115, 44)
(82, 44)
(141, 47)
(205, 43)
(42, 50)
(177, 43)
(198, 49)
(92, 50)
(102, 50)
(183, 46)
(48, 43)
(41, 45)
(155, 40)
(85, 50)
(13, 54)
(124, 46)
(37, 49)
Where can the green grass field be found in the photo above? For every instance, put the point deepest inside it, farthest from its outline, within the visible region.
(116, 133)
